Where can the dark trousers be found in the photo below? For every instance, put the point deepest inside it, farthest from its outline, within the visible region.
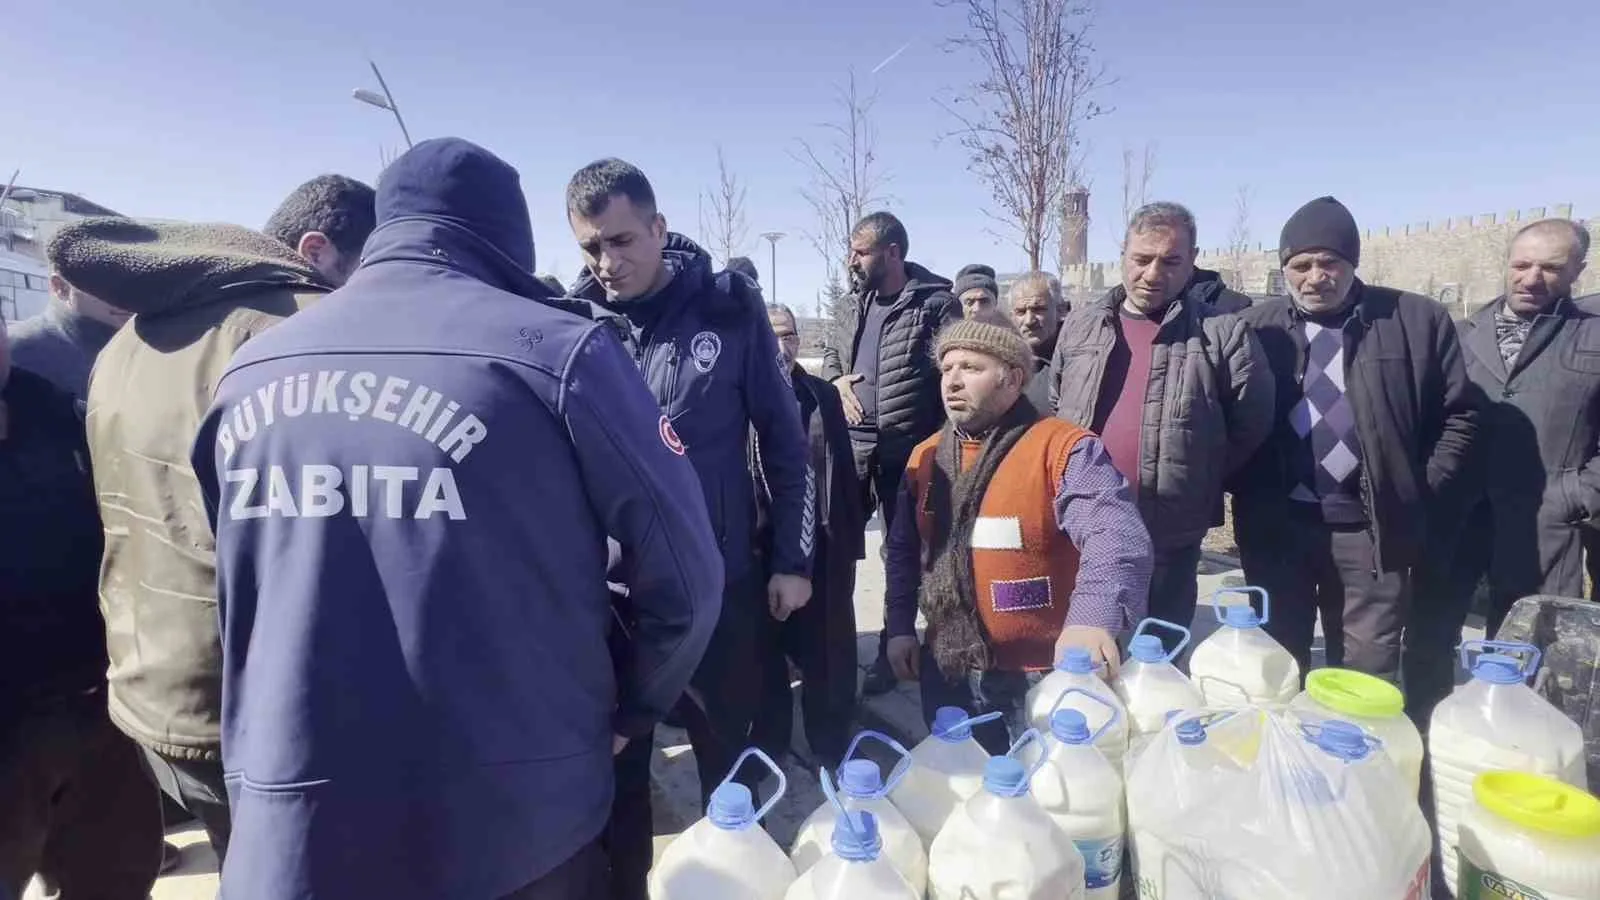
(1307, 568)
(880, 479)
(726, 688)
(197, 786)
(1174, 591)
(820, 639)
(978, 694)
(628, 840)
(582, 877)
(76, 805)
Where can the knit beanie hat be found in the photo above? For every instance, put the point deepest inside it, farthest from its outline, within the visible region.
(992, 335)
(975, 281)
(1322, 224)
(979, 268)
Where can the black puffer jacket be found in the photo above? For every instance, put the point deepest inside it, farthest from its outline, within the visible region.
(909, 408)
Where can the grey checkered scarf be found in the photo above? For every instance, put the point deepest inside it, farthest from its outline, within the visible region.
(1510, 332)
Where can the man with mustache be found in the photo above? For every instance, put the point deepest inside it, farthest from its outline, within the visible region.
(1374, 421)
(1535, 356)
(1016, 537)
(1178, 391)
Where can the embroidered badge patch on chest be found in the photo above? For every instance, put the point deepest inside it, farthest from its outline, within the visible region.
(1024, 593)
(704, 349)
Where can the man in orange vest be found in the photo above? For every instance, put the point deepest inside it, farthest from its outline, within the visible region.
(1015, 536)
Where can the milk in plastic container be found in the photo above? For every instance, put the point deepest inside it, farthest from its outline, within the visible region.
(1316, 814)
(861, 788)
(1241, 665)
(1150, 686)
(1496, 722)
(855, 867)
(1527, 836)
(1374, 704)
(1076, 669)
(946, 769)
(1082, 792)
(1002, 845)
(726, 855)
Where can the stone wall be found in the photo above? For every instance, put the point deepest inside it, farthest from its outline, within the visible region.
(1459, 261)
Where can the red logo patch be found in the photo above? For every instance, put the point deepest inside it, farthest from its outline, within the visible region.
(670, 437)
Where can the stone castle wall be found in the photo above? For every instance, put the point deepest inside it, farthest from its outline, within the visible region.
(1459, 261)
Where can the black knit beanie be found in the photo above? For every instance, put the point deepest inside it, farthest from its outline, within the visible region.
(973, 281)
(978, 268)
(1322, 224)
(745, 267)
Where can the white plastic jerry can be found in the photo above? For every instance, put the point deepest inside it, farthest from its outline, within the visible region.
(1002, 845)
(946, 769)
(724, 856)
(1076, 669)
(1082, 792)
(1495, 722)
(1532, 837)
(1368, 701)
(862, 789)
(855, 867)
(1241, 665)
(1150, 686)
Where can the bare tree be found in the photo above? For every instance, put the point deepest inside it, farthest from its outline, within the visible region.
(1138, 170)
(845, 180)
(729, 231)
(1020, 122)
(1239, 237)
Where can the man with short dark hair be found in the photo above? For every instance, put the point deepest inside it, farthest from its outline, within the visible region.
(326, 221)
(1037, 307)
(1374, 421)
(1179, 393)
(1532, 353)
(745, 267)
(887, 378)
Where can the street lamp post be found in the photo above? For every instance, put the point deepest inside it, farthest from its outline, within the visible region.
(772, 238)
(384, 100)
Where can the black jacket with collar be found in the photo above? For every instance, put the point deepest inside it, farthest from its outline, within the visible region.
(1415, 410)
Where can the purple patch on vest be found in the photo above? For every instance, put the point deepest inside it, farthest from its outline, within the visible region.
(1015, 596)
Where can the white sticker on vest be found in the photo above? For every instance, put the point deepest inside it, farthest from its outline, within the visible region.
(991, 533)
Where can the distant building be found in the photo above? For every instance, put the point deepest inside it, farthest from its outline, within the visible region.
(31, 216)
(24, 286)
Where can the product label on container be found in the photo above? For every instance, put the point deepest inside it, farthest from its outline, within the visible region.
(1421, 883)
(1476, 884)
(1102, 861)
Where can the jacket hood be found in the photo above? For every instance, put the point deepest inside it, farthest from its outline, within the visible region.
(920, 280)
(155, 267)
(460, 184)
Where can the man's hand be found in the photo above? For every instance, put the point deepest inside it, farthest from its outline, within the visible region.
(1101, 645)
(905, 657)
(618, 744)
(845, 384)
(787, 593)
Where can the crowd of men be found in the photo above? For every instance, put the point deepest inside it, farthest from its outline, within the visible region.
(383, 557)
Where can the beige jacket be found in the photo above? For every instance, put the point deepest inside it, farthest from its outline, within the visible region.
(198, 293)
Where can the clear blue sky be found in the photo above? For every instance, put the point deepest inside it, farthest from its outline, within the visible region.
(1405, 110)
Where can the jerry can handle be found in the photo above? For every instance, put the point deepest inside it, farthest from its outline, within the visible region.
(1170, 626)
(783, 782)
(1115, 713)
(901, 767)
(1266, 602)
(1527, 655)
